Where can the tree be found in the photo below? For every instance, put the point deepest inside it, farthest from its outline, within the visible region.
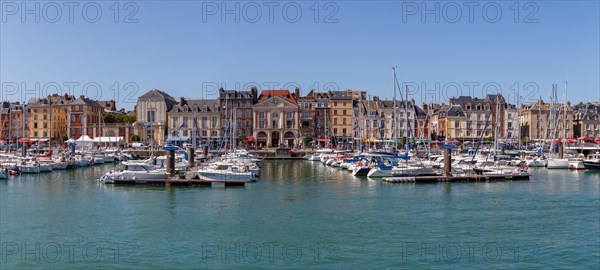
(307, 139)
(118, 118)
(241, 139)
(135, 138)
(64, 138)
(488, 139)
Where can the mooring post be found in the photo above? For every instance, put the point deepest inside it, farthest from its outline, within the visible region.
(561, 150)
(447, 162)
(191, 157)
(171, 162)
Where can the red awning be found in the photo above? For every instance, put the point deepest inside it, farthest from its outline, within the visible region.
(322, 140)
(2, 140)
(572, 140)
(24, 140)
(586, 139)
(250, 139)
(597, 140)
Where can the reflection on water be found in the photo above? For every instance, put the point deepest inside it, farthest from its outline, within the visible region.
(369, 223)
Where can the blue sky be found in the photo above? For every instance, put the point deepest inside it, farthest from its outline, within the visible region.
(187, 48)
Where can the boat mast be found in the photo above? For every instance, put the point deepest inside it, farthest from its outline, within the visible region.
(565, 116)
(395, 114)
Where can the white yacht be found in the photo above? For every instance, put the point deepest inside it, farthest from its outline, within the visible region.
(226, 173)
(134, 172)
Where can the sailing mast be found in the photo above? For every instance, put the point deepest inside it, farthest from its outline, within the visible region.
(395, 114)
(565, 116)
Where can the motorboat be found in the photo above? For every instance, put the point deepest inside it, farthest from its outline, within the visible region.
(226, 173)
(134, 172)
(592, 162)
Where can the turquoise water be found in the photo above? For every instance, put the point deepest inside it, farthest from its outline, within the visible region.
(300, 215)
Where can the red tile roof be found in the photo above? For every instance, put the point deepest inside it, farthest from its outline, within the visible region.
(285, 94)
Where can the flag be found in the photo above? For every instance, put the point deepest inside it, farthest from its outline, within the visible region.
(355, 125)
(318, 125)
(182, 125)
(382, 126)
(149, 125)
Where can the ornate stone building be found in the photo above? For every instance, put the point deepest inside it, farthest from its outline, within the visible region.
(276, 119)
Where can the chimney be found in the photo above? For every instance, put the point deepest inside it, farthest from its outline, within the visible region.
(375, 98)
(451, 101)
(425, 107)
(297, 92)
(181, 101)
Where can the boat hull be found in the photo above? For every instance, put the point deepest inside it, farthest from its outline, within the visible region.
(591, 165)
(558, 163)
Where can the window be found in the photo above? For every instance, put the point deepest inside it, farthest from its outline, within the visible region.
(174, 121)
(335, 103)
(288, 124)
(239, 114)
(174, 133)
(214, 133)
(151, 116)
(344, 132)
(334, 112)
(335, 121)
(247, 114)
(204, 121)
(185, 133)
(344, 104)
(204, 133)
(344, 112)
(214, 121)
(344, 122)
(275, 124)
(185, 122)
(261, 115)
(288, 115)
(239, 105)
(247, 104)
(261, 124)
(335, 131)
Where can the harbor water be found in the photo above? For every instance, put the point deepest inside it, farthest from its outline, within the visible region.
(300, 214)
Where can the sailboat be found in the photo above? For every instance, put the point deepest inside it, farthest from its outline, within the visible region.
(556, 162)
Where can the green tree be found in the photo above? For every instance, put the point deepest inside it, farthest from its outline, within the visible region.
(307, 139)
(135, 138)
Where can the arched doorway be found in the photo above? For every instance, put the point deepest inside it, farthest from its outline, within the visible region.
(275, 139)
(289, 137)
(261, 139)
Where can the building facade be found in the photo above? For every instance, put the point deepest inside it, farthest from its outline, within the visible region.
(195, 120)
(85, 118)
(235, 110)
(586, 122)
(151, 110)
(341, 117)
(542, 121)
(276, 119)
